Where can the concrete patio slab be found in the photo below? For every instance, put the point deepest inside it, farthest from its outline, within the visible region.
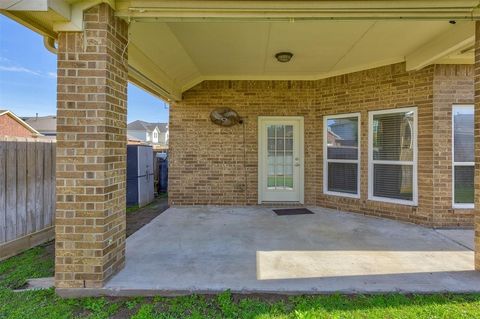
(38, 283)
(252, 250)
(464, 237)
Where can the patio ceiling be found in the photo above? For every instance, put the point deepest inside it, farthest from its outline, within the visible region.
(187, 53)
(175, 45)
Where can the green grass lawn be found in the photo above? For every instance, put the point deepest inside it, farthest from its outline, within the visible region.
(45, 304)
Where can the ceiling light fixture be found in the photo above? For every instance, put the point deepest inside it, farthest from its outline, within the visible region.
(284, 56)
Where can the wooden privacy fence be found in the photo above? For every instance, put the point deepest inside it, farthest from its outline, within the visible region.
(27, 193)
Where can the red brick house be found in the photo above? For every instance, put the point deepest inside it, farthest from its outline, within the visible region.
(12, 125)
(365, 106)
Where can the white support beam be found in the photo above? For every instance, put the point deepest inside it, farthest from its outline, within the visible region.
(460, 36)
(61, 7)
(172, 10)
(75, 22)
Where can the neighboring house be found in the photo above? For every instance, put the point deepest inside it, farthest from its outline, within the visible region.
(47, 125)
(133, 140)
(346, 132)
(12, 125)
(155, 134)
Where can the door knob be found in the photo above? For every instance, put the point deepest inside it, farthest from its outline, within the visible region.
(297, 164)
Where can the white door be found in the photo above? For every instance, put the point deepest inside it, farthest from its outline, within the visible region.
(280, 159)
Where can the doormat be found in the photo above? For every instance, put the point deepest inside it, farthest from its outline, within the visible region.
(292, 211)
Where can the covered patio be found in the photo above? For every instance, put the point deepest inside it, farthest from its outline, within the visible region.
(210, 249)
(341, 104)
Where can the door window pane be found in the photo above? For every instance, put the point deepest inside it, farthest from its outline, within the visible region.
(288, 144)
(271, 131)
(280, 130)
(280, 144)
(280, 157)
(288, 159)
(289, 131)
(271, 157)
(271, 144)
(271, 177)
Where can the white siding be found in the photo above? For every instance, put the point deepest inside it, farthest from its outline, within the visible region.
(141, 135)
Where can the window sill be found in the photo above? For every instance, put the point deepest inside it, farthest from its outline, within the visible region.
(338, 194)
(463, 206)
(393, 201)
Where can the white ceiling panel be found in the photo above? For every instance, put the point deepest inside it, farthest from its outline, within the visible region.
(162, 47)
(224, 48)
(389, 40)
(316, 46)
(190, 52)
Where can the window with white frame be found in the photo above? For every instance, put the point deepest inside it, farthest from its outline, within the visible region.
(341, 136)
(463, 156)
(392, 147)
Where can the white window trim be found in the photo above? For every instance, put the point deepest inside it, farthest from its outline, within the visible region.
(414, 163)
(326, 160)
(459, 205)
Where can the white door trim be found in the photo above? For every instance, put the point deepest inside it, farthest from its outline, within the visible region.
(262, 146)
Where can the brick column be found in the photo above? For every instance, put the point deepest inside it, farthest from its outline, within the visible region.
(91, 151)
(477, 145)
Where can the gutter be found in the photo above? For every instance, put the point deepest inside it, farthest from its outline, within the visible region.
(265, 10)
(49, 44)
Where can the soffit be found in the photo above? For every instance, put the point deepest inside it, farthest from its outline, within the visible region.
(190, 52)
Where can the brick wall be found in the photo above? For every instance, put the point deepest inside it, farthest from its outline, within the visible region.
(379, 89)
(91, 151)
(216, 165)
(210, 164)
(10, 127)
(453, 84)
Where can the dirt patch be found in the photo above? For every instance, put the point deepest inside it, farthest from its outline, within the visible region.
(49, 250)
(139, 218)
(135, 221)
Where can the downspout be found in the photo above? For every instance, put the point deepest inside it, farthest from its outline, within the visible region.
(49, 44)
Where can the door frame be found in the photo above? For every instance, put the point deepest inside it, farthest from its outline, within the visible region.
(261, 146)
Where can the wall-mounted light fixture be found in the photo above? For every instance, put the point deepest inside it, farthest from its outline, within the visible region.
(284, 56)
